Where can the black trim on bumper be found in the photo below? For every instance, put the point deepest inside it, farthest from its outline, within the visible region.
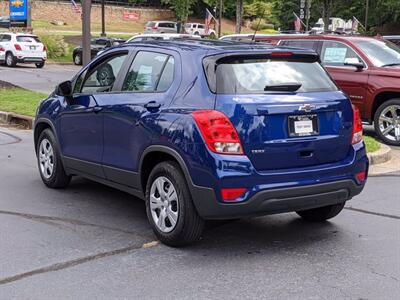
(30, 60)
(275, 201)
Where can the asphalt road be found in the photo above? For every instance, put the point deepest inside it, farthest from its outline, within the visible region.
(40, 80)
(93, 242)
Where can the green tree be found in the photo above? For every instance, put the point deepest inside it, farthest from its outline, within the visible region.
(181, 8)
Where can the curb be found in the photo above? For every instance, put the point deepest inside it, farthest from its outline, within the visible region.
(381, 156)
(14, 119)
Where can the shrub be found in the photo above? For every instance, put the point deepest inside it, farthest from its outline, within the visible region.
(263, 25)
(56, 46)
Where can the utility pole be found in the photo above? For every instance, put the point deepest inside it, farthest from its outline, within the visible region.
(366, 15)
(103, 19)
(220, 18)
(86, 36)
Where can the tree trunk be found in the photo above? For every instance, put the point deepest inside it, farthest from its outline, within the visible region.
(239, 15)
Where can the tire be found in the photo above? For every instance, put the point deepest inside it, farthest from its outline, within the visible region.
(188, 225)
(55, 176)
(40, 65)
(78, 59)
(321, 214)
(388, 116)
(10, 60)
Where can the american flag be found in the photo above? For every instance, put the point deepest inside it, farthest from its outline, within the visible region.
(208, 20)
(297, 23)
(75, 7)
(354, 25)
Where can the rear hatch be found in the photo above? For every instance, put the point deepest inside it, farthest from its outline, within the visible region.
(30, 46)
(286, 109)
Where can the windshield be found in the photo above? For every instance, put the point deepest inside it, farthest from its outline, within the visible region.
(27, 39)
(269, 76)
(381, 53)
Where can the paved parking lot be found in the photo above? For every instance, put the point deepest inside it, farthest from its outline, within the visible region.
(40, 80)
(93, 242)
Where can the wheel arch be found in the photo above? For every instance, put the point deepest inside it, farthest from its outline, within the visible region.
(155, 154)
(381, 98)
(40, 126)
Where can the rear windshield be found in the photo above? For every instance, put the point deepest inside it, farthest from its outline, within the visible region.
(27, 39)
(150, 24)
(256, 75)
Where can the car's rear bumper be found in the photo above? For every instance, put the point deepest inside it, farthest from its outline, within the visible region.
(275, 201)
(278, 191)
(30, 60)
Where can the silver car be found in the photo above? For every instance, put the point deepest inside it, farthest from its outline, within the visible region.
(161, 27)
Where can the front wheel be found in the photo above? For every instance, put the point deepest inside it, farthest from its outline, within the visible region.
(170, 208)
(387, 122)
(49, 161)
(78, 59)
(321, 214)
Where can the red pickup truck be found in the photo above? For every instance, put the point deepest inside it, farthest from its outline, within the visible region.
(367, 69)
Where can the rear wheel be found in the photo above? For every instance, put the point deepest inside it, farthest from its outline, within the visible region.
(170, 208)
(39, 65)
(387, 122)
(78, 59)
(321, 214)
(49, 161)
(10, 60)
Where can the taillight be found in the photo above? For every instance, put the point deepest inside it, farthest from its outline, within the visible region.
(218, 132)
(357, 126)
(281, 54)
(44, 48)
(232, 194)
(17, 47)
(154, 27)
(2, 49)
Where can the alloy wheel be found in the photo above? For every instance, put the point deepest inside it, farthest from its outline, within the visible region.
(389, 123)
(46, 158)
(164, 204)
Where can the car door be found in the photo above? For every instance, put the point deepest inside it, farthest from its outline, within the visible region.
(81, 121)
(130, 115)
(352, 80)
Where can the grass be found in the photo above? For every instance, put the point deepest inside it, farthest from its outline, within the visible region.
(371, 144)
(20, 101)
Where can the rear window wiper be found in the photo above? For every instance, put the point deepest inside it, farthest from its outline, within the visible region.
(391, 65)
(283, 87)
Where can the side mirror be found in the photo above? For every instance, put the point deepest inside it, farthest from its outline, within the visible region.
(354, 62)
(64, 89)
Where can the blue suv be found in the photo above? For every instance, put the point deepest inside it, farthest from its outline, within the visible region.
(206, 130)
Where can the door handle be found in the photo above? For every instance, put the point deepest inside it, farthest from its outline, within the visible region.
(152, 105)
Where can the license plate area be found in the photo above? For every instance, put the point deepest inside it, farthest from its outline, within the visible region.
(303, 125)
(33, 48)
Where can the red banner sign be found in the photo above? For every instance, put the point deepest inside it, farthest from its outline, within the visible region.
(130, 16)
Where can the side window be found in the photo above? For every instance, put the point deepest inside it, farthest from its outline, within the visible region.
(300, 44)
(79, 81)
(167, 76)
(335, 54)
(200, 26)
(102, 78)
(6, 38)
(162, 25)
(145, 73)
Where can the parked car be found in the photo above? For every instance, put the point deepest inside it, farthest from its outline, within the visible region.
(248, 37)
(96, 46)
(5, 22)
(395, 39)
(22, 48)
(161, 36)
(206, 130)
(199, 29)
(367, 69)
(161, 27)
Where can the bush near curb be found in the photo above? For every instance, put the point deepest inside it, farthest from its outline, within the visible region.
(56, 46)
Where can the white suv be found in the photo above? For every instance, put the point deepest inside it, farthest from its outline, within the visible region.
(199, 29)
(22, 48)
